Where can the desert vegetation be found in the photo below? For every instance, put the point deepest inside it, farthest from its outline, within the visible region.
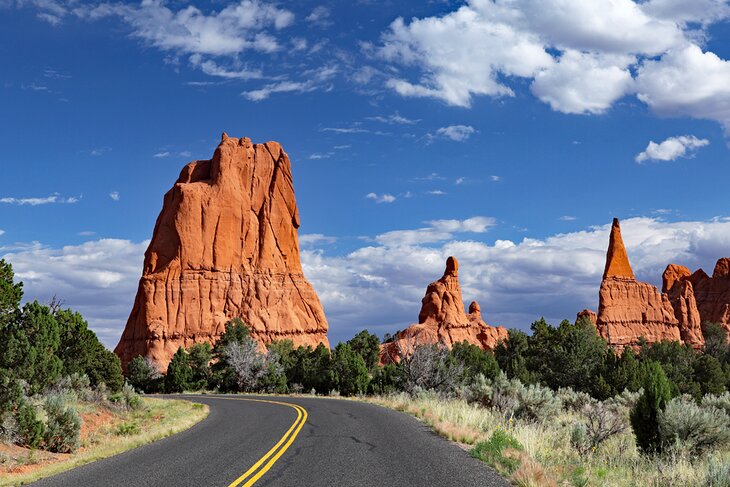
(63, 398)
(554, 407)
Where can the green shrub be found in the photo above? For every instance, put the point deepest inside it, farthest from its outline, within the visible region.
(143, 375)
(717, 473)
(30, 428)
(127, 399)
(644, 415)
(537, 403)
(350, 371)
(501, 451)
(601, 421)
(179, 372)
(721, 402)
(573, 400)
(688, 426)
(63, 426)
(127, 429)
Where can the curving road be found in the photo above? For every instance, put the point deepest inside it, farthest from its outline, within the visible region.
(307, 441)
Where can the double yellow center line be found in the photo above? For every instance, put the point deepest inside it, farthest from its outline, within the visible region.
(249, 477)
(263, 465)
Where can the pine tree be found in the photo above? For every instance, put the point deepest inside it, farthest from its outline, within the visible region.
(644, 416)
(179, 372)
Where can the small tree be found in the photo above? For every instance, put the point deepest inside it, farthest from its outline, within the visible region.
(28, 347)
(644, 416)
(350, 371)
(367, 346)
(245, 364)
(199, 357)
(178, 372)
(143, 375)
(475, 361)
(429, 367)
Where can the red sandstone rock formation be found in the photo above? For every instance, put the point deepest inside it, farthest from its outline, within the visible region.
(589, 314)
(713, 293)
(682, 298)
(442, 319)
(225, 245)
(629, 309)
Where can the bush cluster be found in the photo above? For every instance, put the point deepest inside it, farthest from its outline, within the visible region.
(48, 360)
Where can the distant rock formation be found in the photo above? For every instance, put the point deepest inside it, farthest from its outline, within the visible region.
(442, 319)
(225, 245)
(712, 294)
(629, 309)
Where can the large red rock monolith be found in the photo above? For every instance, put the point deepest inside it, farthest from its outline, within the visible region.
(225, 245)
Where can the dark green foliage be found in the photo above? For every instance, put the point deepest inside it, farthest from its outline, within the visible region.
(511, 356)
(179, 372)
(28, 347)
(495, 451)
(143, 376)
(273, 379)
(677, 360)
(624, 372)
(199, 357)
(107, 369)
(10, 294)
(82, 353)
(367, 346)
(349, 370)
(284, 349)
(716, 343)
(30, 428)
(708, 375)
(11, 392)
(235, 331)
(63, 426)
(571, 355)
(475, 361)
(385, 379)
(644, 416)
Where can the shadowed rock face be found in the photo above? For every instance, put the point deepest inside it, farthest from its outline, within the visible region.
(442, 319)
(225, 245)
(629, 309)
(713, 293)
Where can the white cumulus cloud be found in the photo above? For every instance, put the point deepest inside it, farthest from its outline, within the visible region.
(580, 56)
(671, 148)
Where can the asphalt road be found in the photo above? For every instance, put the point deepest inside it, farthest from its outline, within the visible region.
(341, 443)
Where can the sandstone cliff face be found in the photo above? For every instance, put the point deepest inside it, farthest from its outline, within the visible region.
(442, 319)
(713, 293)
(225, 245)
(629, 309)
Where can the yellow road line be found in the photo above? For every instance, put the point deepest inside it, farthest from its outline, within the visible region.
(296, 427)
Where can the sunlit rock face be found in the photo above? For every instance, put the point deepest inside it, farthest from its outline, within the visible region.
(225, 245)
(443, 320)
(629, 309)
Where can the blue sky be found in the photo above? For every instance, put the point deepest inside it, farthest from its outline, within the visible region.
(506, 133)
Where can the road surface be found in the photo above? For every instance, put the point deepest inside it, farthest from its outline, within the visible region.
(290, 442)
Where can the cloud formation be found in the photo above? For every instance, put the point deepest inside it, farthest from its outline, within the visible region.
(36, 201)
(671, 148)
(381, 198)
(457, 133)
(580, 56)
(515, 282)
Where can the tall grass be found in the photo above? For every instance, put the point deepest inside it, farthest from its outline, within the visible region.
(547, 456)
